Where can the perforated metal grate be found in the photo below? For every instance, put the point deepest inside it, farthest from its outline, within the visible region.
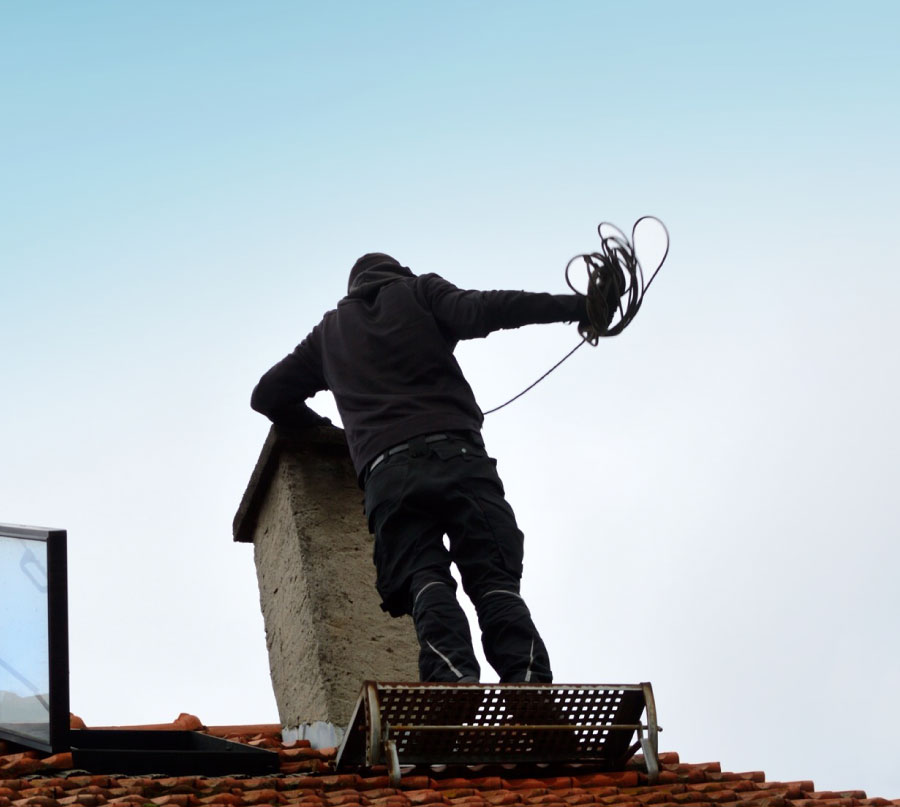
(475, 723)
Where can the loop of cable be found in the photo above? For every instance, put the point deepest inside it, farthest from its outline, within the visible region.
(615, 281)
(615, 289)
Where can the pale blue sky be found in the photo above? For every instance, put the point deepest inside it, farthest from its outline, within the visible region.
(709, 499)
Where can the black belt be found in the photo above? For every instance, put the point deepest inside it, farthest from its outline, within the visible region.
(431, 438)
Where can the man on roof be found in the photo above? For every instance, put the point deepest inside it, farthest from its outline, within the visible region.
(414, 432)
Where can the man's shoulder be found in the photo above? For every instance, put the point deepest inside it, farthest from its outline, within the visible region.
(432, 282)
(430, 277)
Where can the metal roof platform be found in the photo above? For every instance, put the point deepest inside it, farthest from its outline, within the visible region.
(471, 724)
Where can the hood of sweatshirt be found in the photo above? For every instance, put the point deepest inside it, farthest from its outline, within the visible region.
(372, 271)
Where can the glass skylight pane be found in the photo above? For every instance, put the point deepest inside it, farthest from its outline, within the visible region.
(24, 645)
(34, 655)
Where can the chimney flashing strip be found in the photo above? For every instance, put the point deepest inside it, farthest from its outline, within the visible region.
(320, 734)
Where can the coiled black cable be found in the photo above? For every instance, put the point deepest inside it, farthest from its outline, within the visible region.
(615, 281)
(615, 289)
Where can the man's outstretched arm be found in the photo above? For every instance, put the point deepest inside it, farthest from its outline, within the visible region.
(468, 314)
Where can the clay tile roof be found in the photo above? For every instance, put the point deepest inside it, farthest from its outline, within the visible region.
(307, 779)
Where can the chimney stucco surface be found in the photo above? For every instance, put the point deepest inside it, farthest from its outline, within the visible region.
(325, 630)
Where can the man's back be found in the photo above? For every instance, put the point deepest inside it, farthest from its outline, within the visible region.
(391, 367)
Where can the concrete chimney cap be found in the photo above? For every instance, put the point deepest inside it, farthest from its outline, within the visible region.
(323, 440)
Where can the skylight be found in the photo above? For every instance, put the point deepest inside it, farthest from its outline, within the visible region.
(34, 663)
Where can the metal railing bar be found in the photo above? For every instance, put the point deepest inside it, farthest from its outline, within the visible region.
(525, 727)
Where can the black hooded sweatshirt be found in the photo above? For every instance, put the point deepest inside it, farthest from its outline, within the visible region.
(386, 353)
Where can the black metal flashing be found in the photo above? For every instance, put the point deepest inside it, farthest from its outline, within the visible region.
(176, 753)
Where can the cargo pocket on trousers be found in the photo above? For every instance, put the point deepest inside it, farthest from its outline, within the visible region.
(500, 517)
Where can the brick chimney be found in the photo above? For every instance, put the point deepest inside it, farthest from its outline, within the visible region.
(325, 630)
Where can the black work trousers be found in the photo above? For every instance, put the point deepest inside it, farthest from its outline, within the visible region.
(449, 486)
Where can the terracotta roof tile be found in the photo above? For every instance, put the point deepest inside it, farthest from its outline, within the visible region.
(307, 779)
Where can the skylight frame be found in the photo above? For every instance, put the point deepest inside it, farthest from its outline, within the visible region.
(57, 640)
